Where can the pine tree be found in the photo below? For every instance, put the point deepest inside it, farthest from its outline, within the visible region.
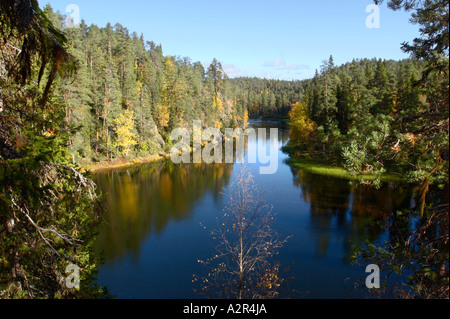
(383, 89)
(344, 103)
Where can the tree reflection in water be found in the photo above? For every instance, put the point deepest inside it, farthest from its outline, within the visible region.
(146, 199)
(325, 216)
(361, 211)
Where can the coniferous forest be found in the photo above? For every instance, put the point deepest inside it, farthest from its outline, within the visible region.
(126, 85)
(73, 97)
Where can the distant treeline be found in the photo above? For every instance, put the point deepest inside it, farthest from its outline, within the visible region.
(274, 98)
(266, 98)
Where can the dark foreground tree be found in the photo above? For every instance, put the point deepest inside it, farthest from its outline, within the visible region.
(243, 266)
(47, 208)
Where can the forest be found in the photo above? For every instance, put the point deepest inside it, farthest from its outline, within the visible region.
(74, 96)
(377, 116)
(129, 96)
(266, 98)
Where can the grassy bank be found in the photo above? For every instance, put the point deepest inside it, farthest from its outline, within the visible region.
(312, 166)
(318, 165)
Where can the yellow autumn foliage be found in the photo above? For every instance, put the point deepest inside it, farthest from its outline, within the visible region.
(218, 124)
(302, 126)
(218, 104)
(245, 120)
(124, 129)
(163, 115)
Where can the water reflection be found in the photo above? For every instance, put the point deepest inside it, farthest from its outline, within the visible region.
(360, 212)
(146, 199)
(283, 129)
(323, 214)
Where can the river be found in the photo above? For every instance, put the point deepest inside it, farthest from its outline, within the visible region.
(152, 237)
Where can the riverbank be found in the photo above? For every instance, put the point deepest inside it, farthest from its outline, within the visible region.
(317, 165)
(120, 163)
(312, 166)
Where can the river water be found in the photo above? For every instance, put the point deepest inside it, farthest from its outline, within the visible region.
(152, 237)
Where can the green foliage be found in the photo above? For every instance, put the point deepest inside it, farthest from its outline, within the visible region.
(420, 127)
(365, 149)
(47, 208)
(266, 98)
(120, 71)
(45, 232)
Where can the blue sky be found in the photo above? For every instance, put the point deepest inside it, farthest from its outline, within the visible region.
(283, 39)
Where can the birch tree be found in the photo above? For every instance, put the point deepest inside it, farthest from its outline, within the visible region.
(243, 266)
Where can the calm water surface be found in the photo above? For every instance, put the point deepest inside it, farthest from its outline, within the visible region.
(152, 237)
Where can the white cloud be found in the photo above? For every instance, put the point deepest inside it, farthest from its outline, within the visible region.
(275, 63)
(296, 67)
(233, 71)
(280, 64)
